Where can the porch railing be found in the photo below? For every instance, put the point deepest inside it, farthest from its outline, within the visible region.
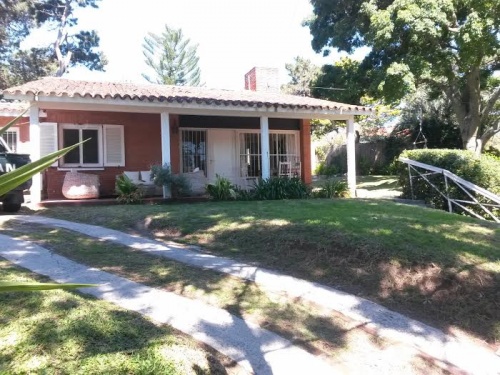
(489, 205)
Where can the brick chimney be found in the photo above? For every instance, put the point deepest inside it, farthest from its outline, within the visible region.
(262, 79)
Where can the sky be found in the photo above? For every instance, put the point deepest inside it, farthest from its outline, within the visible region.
(233, 36)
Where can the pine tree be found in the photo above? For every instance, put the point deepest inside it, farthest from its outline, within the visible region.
(172, 58)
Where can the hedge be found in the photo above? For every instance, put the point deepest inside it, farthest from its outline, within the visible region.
(483, 171)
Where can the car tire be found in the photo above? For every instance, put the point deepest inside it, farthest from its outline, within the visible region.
(11, 207)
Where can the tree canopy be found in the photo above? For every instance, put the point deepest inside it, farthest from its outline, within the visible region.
(70, 47)
(451, 46)
(302, 74)
(172, 58)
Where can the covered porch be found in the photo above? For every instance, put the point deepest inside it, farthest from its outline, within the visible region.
(242, 136)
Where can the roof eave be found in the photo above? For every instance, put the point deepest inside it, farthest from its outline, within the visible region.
(156, 106)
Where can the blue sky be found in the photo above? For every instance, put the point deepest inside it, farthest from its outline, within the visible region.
(233, 36)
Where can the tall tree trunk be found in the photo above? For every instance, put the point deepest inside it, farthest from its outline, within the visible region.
(467, 108)
(62, 34)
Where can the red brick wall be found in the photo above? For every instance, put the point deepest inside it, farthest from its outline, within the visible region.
(305, 150)
(251, 80)
(22, 124)
(142, 146)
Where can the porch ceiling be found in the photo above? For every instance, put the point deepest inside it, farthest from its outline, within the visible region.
(59, 93)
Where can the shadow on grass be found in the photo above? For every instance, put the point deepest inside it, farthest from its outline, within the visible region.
(423, 263)
(408, 258)
(72, 333)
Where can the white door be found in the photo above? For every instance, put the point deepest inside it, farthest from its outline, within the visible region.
(222, 160)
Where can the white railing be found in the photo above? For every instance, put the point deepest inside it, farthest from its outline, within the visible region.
(467, 187)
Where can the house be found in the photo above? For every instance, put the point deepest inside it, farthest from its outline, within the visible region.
(17, 136)
(241, 135)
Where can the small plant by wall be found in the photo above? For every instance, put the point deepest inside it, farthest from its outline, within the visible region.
(222, 189)
(281, 188)
(332, 189)
(178, 184)
(128, 192)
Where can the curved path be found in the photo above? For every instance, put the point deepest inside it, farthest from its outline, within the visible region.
(254, 348)
(467, 356)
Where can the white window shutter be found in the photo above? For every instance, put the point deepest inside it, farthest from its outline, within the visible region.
(48, 139)
(114, 146)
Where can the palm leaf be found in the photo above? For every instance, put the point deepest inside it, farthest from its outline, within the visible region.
(10, 123)
(8, 286)
(11, 180)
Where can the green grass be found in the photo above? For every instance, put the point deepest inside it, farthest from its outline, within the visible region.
(318, 330)
(441, 268)
(370, 183)
(59, 332)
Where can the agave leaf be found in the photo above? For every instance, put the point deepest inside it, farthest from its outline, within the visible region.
(11, 180)
(10, 123)
(8, 286)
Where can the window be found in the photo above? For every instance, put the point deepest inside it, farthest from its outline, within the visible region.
(250, 155)
(194, 150)
(282, 147)
(11, 137)
(104, 145)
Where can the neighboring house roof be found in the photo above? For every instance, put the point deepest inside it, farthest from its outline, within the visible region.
(14, 109)
(71, 90)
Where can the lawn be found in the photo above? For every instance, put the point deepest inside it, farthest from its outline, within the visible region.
(59, 332)
(441, 268)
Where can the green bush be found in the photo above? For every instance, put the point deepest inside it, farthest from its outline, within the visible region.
(128, 192)
(332, 189)
(325, 169)
(222, 189)
(177, 183)
(276, 188)
(483, 171)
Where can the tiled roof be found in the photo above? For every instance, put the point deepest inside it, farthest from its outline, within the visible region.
(61, 87)
(12, 108)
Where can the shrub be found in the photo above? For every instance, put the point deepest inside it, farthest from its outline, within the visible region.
(332, 189)
(222, 189)
(280, 188)
(128, 192)
(483, 171)
(325, 169)
(177, 183)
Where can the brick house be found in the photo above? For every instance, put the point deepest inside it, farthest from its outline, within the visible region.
(240, 135)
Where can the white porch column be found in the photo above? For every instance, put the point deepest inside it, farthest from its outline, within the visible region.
(351, 157)
(264, 147)
(36, 185)
(165, 145)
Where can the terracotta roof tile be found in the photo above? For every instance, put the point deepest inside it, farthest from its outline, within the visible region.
(12, 108)
(61, 87)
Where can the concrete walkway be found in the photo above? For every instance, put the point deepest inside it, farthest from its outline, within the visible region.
(256, 349)
(472, 358)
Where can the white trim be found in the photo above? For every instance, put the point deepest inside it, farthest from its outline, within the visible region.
(80, 128)
(121, 130)
(49, 140)
(127, 105)
(79, 169)
(264, 147)
(36, 184)
(165, 146)
(13, 129)
(351, 157)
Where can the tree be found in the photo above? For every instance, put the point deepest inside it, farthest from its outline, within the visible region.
(452, 46)
(344, 82)
(171, 57)
(19, 18)
(302, 73)
(70, 48)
